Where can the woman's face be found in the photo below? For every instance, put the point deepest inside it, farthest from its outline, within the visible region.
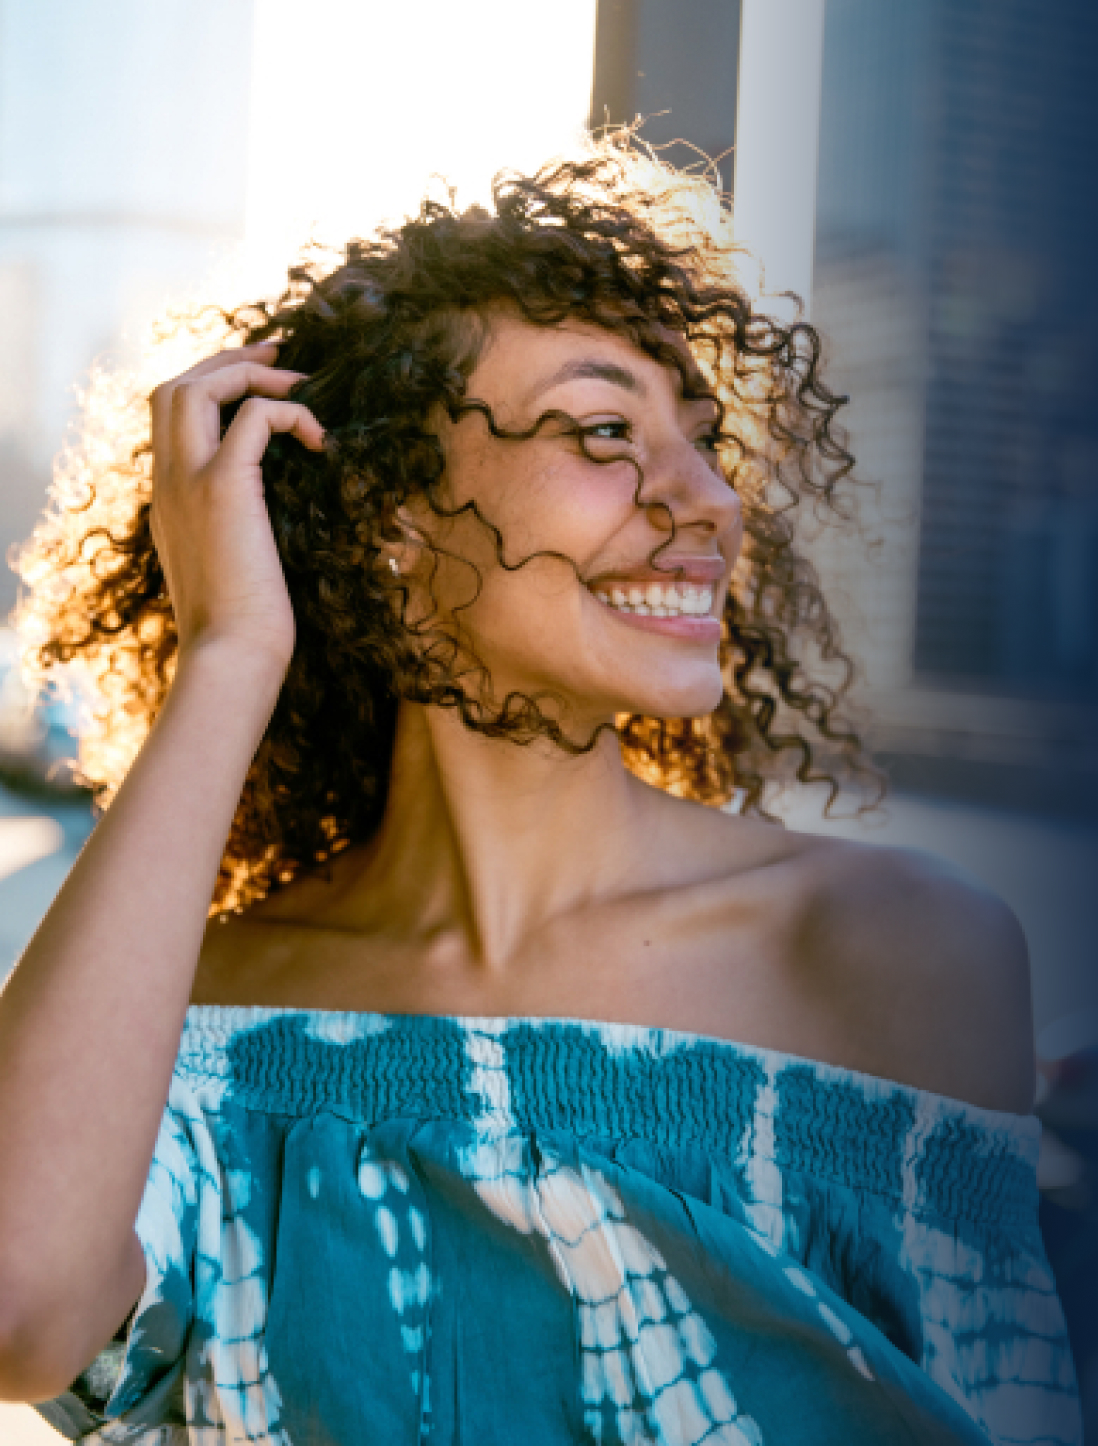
(624, 629)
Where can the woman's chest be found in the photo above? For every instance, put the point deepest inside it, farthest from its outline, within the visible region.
(700, 965)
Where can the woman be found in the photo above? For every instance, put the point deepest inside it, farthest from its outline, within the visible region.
(521, 1094)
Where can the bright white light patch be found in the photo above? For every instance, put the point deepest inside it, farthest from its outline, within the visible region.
(24, 841)
(354, 111)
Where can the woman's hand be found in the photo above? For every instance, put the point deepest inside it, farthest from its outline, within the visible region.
(209, 518)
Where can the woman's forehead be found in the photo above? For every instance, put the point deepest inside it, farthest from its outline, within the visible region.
(525, 360)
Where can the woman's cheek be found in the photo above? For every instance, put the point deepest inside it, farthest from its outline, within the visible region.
(600, 505)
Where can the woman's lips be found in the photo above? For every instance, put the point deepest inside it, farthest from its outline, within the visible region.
(697, 571)
(704, 629)
(674, 600)
(680, 610)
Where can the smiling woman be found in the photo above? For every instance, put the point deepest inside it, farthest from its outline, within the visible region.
(507, 1093)
(566, 297)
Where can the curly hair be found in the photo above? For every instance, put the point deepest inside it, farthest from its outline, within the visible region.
(387, 336)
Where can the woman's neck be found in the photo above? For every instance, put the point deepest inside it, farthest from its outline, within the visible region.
(483, 842)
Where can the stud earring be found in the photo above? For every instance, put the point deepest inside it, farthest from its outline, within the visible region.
(394, 565)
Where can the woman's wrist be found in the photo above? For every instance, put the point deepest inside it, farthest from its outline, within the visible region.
(246, 677)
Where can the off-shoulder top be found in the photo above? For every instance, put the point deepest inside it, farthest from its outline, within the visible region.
(382, 1228)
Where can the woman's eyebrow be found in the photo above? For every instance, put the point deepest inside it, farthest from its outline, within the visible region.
(589, 368)
(696, 389)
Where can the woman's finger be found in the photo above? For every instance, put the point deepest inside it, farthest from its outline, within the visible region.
(263, 352)
(160, 401)
(195, 422)
(258, 420)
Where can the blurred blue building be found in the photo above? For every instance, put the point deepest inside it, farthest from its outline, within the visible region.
(956, 245)
(957, 235)
(1008, 576)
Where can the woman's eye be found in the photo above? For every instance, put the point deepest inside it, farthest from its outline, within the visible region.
(620, 431)
(608, 431)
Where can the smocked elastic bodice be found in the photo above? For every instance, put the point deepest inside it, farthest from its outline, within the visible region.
(623, 1081)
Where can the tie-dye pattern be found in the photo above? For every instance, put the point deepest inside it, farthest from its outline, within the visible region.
(419, 1228)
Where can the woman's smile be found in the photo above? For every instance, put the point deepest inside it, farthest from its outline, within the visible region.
(677, 612)
(676, 600)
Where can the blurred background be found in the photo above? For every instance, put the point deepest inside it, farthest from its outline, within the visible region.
(922, 173)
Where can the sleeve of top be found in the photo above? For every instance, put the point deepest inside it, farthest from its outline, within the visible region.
(993, 1330)
(137, 1379)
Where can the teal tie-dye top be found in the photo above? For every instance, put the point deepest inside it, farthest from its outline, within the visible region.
(393, 1229)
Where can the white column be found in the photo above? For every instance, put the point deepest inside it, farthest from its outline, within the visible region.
(777, 138)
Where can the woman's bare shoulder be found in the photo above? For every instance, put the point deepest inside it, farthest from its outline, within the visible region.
(927, 964)
(896, 962)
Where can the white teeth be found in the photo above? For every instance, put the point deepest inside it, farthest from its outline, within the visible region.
(659, 602)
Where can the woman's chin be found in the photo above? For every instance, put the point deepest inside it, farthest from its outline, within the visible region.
(696, 700)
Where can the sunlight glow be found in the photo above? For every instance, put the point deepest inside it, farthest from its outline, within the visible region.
(356, 104)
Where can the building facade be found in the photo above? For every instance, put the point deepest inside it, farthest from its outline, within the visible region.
(956, 234)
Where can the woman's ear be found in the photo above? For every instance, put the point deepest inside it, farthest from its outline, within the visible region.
(406, 541)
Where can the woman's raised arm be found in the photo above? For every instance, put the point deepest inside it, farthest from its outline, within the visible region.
(90, 1019)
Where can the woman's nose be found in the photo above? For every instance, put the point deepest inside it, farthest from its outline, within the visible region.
(684, 488)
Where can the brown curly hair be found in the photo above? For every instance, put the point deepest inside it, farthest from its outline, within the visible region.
(387, 336)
